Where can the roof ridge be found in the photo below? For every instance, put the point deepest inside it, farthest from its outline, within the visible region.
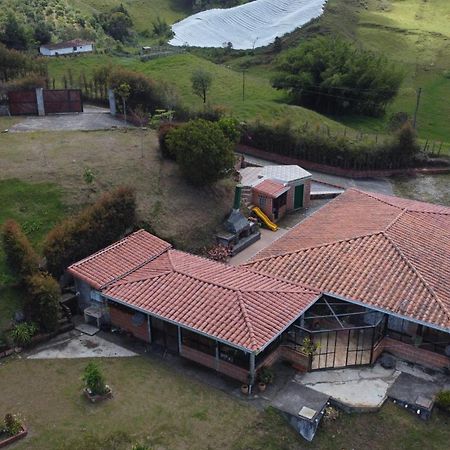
(247, 320)
(240, 269)
(128, 272)
(326, 244)
(402, 213)
(122, 282)
(374, 195)
(419, 276)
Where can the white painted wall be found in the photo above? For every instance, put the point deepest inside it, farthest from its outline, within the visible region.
(67, 51)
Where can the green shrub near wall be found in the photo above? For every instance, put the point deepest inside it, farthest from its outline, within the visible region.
(399, 151)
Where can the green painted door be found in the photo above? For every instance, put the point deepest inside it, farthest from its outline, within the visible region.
(298, 196)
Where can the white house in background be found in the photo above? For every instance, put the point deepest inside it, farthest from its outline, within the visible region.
(74, 46)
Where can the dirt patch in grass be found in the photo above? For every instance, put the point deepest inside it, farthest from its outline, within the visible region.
(174, 210)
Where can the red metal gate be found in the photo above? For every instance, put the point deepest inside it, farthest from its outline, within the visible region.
(55, 101)
(22, 102)
(62, 100)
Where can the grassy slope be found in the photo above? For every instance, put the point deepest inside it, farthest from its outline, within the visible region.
(142, 12)
(261, 100)
(168, 410)
(415, 35)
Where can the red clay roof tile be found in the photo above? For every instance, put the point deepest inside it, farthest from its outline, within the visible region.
(381, 250)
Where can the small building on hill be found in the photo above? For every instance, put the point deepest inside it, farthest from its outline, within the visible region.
(276, 190)
(72, 47)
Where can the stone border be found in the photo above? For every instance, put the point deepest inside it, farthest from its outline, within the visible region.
(332, 170)
(14, 438)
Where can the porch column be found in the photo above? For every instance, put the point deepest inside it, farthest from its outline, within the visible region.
(179, 339)
(252, 368)
(149, 329)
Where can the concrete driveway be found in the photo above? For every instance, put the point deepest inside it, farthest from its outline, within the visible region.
(93, 118)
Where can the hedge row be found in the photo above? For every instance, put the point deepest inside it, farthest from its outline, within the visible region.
(93, 229)
(398, 152)
(41, 303)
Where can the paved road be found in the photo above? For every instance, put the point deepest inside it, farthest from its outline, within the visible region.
(92, 118)
(381, 185)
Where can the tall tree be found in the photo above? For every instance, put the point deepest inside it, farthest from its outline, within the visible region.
(201, 83)
(331, 76)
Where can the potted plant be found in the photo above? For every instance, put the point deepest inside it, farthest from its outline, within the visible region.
(95, 387)
(12, 429)
(265, 377)
(245, 388)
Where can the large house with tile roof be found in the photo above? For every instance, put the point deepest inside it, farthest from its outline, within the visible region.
(367, 273)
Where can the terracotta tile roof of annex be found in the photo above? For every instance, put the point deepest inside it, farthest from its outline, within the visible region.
(235, 305)
(272, 189)
(118, 259)
(384, 251)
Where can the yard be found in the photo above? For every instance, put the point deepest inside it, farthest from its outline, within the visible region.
(172, 208)
(41, 181)
(167, 410)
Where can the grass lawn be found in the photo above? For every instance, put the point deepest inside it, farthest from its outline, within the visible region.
(174, 209)
(167, 410)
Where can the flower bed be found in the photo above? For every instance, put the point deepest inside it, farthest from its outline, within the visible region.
(6, 440)
(94, 398)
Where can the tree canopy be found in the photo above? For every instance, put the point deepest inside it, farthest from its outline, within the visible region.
(332, 77)
(202, 151)
(201, 83)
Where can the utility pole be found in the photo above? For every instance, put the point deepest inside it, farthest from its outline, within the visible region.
(243, 85)
(419, 91)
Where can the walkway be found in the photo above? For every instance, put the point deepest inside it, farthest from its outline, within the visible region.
(93, 118)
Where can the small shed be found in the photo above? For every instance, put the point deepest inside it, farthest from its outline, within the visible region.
(75, 46)
(277, 189)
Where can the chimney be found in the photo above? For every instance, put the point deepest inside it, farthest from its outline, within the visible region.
(237, 197)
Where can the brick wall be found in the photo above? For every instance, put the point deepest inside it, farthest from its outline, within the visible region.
(123, 319)
(230, 370)
(285, 353)
(267, 208)
(414, 354)
(307, 194)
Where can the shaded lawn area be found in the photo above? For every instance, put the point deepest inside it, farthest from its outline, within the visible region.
(167, 410)
(37, 207)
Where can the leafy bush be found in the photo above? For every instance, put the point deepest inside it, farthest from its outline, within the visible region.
(230, 128)
(94, 380)
(21, 257)
(43, 304)
(203, 152)
(443, 400)
(163, 132)
(93, 229)
(143, 90)
(23, 332)
(266, 375)
(12, 424)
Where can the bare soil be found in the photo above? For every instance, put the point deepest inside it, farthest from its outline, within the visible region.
(183, 214)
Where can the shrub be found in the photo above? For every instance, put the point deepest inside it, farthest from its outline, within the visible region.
(230, 128)
(91, 230)
(163, 132)
(94, 380)
(21, 257)
(203, 152)
(143, 90)
(266, 375)
(23, 332)
(12, 424)
(443, 400)
(43, 303)
(398, 152)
